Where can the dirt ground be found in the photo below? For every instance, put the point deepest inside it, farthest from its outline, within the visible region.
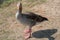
(11, 29)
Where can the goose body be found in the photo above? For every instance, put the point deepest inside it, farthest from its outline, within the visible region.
(24, 19)
(28, 18)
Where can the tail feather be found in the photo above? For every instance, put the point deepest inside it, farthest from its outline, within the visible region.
(40, 19)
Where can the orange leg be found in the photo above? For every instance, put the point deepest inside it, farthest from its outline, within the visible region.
(27, 34)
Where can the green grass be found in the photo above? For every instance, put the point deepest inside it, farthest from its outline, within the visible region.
(5, 3)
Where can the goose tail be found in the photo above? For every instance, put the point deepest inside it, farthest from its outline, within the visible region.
(40, 19)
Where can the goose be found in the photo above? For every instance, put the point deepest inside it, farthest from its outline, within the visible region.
(27, 18)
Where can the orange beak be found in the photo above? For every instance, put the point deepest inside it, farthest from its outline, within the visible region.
(18, 5)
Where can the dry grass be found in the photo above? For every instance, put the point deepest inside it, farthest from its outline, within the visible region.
(10, 29)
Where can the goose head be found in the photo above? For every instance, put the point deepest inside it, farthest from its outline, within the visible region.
(19, 6)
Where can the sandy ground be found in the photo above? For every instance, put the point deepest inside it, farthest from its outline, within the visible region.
(47, 30)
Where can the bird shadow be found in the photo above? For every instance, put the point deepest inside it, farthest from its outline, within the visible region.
(45, 34)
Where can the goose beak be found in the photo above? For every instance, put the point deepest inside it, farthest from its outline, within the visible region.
(18, 5)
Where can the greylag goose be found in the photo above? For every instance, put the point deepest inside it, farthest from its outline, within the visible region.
(29, 19)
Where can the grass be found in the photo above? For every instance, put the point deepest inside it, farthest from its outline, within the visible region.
(5, 34)
(5, 3)
(32, 3)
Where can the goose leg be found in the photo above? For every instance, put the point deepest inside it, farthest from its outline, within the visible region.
(27, 33)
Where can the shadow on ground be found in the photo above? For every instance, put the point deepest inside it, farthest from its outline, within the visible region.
(45, 34)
